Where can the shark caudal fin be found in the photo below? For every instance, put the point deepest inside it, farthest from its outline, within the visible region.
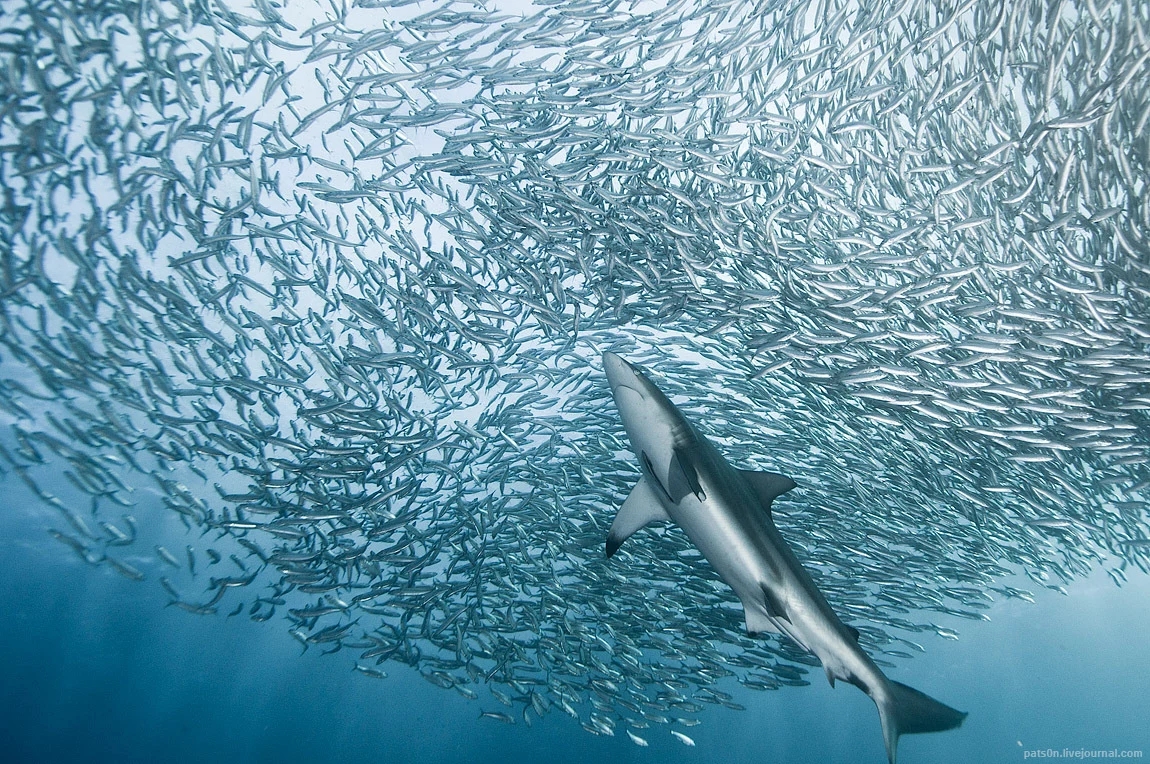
(904, 710)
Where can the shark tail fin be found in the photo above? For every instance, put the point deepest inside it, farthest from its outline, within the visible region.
(904, 710)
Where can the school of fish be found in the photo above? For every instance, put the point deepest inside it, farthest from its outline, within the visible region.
(302, 308)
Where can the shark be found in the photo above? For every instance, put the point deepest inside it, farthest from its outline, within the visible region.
(726, 513)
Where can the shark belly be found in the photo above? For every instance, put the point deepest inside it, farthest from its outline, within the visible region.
(738, 538)
(737, 545)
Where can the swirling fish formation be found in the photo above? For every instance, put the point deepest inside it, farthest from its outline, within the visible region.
(329, 285)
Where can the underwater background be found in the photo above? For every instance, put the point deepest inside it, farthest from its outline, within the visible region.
(305, 441)
(97, 668)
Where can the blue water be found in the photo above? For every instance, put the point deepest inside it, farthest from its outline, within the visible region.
(97, 669)
(984, 210)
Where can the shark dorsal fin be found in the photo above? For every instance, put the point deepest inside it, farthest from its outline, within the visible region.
(768, 486)
(683, 478)
(641, 507)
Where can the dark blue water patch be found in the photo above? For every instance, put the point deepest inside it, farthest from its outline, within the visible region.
(98, 669)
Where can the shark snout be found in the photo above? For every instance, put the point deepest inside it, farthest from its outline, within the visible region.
(621, 374)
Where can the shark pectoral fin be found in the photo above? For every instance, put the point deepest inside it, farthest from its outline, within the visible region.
(640, 508)
(775, 606)
(854, 632)
(767, 485)
(830, 674)
(654, 476)
(758, 622)
(683, 477)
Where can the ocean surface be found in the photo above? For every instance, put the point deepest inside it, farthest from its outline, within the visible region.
(307, 447)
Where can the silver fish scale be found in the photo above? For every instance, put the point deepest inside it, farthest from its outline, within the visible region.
(327, 288)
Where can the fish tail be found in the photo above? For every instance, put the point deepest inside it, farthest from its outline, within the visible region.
(904, 710)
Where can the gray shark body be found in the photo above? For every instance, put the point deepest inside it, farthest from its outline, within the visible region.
(726, 513)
